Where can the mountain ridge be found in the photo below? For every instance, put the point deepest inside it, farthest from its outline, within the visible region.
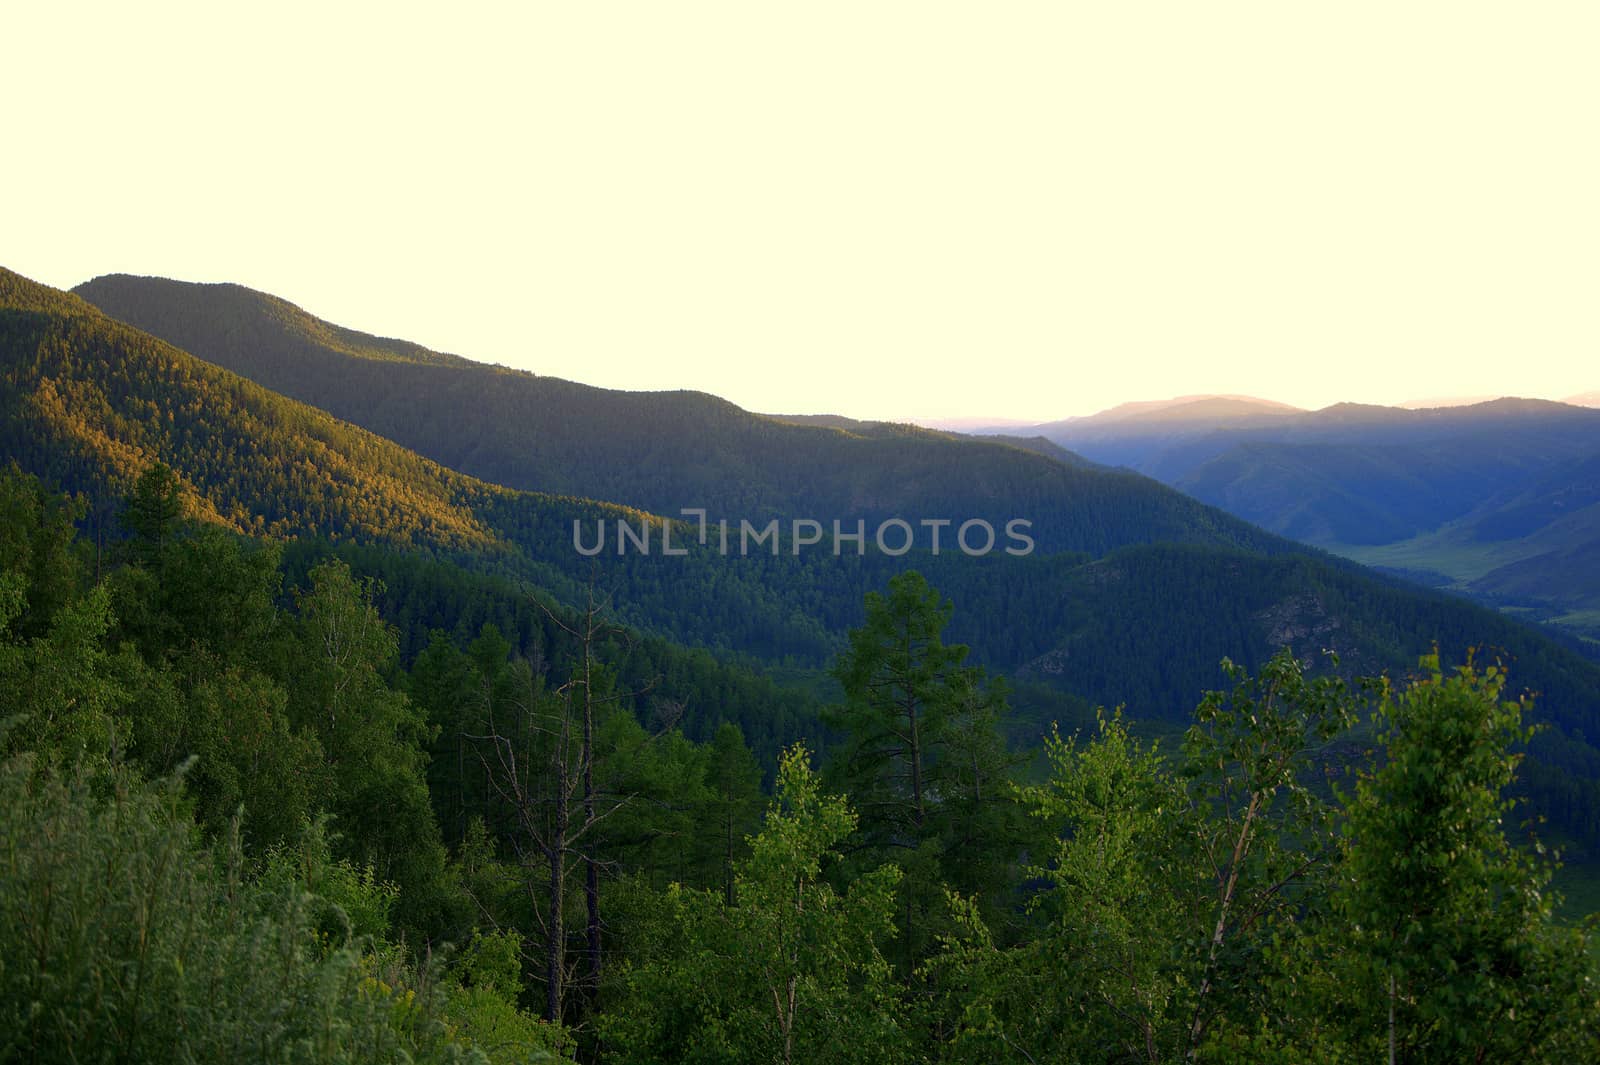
(1143, 622)
(664, 451)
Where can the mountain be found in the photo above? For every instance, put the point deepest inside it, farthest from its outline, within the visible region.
(1049, 449)
(589, 442)
(1584, 399)
(1207, 408)
(1039, 445)
(660, 452)
(1532, 548)
(1439, 494)
(977, 426)
(1135, 417)
(89, 401)
(1493, 500)
(1171, 439)
(1136, 434)
(1383, 480)
(1434, 402)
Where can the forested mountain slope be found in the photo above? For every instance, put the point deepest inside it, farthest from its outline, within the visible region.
(657, 451)
(89, 402)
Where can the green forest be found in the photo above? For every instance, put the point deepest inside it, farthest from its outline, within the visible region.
(317, 749)
(1142, 594)
(326, 802)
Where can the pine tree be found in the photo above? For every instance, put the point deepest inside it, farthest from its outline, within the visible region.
(922, 755)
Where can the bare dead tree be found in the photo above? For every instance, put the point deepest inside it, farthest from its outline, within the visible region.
(541, 766)
(592, 625)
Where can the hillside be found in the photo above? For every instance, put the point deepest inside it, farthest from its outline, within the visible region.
(1532, 548)
(1440, 494)
(1098, 511)
(90, 401)
(1496, 501)
(1039, 445)
(658, 451)
(1372, 493)
(1136, 434)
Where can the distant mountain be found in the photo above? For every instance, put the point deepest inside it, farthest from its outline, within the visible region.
(1533, 547)
(1584, 399)
(658, 451)
(1170, 438)
(1434, 402)
(1136, 434)
(1373, 476)
(89, 401)
(1209, 409)
(1554, 523)
(980, 426)
(1439, 493)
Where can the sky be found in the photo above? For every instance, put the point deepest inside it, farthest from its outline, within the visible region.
(887, 210)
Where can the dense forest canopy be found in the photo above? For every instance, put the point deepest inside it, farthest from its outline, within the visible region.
(236, 826)
(315, 749)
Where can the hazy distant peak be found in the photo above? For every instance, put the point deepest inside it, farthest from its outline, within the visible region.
(1584, 399)
(1514, 406)
(1346, 410)
(1190, 408)
(1498, 407)
(1221, 406)
(975, 425)
(1435, 402)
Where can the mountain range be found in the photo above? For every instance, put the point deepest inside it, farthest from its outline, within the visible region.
(280, 425)
(659, 451)
(1492, 499)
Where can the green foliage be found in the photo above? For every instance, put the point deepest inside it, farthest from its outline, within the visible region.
(1451, 947)
(923, 755)
(1253, 760)
(790, 970)
(125, 940)
(37, 551)
(371, 737)
(733, 802)
(1119, 911)
(57, 691)
(353, 901)
(154, 509)
(322, 720)
(1190, 911)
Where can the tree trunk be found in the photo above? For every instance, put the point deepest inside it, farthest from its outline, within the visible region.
(727, 858)
(591, 882)
(1391, 1019)
(555, 949)
(1241, 846)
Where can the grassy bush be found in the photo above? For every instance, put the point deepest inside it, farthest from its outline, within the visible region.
(123, 938)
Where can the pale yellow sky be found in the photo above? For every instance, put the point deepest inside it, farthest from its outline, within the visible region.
(885, 210)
